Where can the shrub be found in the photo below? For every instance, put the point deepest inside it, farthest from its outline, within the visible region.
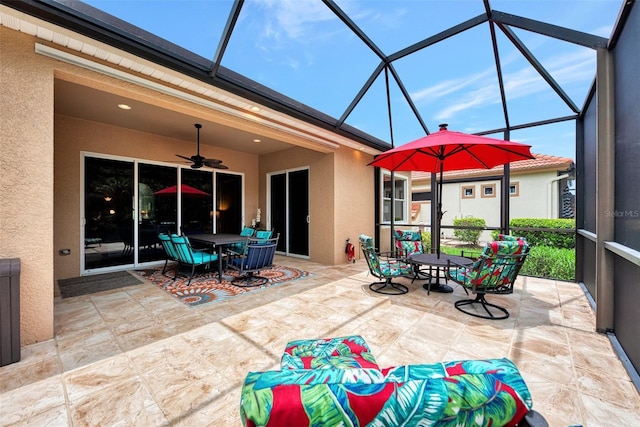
(546, 238)
(426, 241)
(543, 238)
(465, 235)
(549, 262)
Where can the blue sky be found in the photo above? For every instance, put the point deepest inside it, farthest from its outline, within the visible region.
(299, 48)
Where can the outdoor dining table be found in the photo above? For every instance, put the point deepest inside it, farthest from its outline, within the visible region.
(439, 262)
(218, 241)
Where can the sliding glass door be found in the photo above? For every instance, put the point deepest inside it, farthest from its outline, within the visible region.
(196, 202)
(127, 202)
(108, 206)
(157, 209)
(289, 210)
(229, 197)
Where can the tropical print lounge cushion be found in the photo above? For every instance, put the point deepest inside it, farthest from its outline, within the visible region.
(461, 393)
(341, 352)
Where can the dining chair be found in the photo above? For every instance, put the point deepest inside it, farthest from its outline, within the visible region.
(385, 266)
(169, 250)
(408, 243)
(236, 249)
(493, 272)
(189, 257)
(258, 255)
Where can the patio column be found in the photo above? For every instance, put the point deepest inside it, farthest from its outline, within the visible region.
(605, 190)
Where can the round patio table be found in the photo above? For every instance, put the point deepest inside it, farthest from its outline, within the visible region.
(438, 262)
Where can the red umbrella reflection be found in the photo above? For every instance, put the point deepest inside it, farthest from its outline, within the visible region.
(185, 189)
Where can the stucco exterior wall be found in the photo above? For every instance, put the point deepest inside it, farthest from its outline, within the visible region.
(26, 179)
(321, 191)
(354, 201)
(72, 136)
(341, 197)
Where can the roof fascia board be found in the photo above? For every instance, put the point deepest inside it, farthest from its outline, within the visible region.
(550, 30)
(67, 14)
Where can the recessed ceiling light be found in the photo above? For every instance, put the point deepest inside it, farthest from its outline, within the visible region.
(257, 140)
(255, 109)
(124, 106)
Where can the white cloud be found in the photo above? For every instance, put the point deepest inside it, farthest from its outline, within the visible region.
(448, 87)
(292, 20)
(484, 95)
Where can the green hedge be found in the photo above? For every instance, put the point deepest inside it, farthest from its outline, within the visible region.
(548, 262)
(469, 236)
(544, 238)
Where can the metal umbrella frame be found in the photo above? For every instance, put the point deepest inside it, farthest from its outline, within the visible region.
(449, 151)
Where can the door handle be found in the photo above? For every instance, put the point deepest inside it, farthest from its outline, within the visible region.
(308, 219)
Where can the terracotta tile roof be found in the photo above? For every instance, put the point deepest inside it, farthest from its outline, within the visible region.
(541, 162)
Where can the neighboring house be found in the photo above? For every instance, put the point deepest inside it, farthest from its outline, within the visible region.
(538, 188)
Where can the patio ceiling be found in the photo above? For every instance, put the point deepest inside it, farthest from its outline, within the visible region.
(369, 70)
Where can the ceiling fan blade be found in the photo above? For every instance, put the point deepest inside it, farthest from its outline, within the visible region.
(218, 166)
(196, 165)
(184, 157)
(213, 164)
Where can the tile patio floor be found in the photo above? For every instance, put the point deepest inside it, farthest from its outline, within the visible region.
(136, 356)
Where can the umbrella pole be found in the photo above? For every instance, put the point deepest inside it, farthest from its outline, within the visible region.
(439, 212)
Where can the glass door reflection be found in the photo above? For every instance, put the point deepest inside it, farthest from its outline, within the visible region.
(157, 209)
(108, 223)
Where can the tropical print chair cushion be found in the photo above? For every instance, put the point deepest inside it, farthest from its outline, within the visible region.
(486, 270)
(372, 259)
(460, 393)
(342, 352)
(408, 242)
(394, 268)
(384, 266)
(509, 237)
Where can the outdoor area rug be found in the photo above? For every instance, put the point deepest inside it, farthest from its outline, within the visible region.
(84, 285)
(205, 287)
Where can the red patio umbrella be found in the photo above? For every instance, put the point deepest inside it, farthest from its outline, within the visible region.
(447, 151)
(184, 189)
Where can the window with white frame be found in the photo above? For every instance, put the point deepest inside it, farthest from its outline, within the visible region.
(400, 198)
